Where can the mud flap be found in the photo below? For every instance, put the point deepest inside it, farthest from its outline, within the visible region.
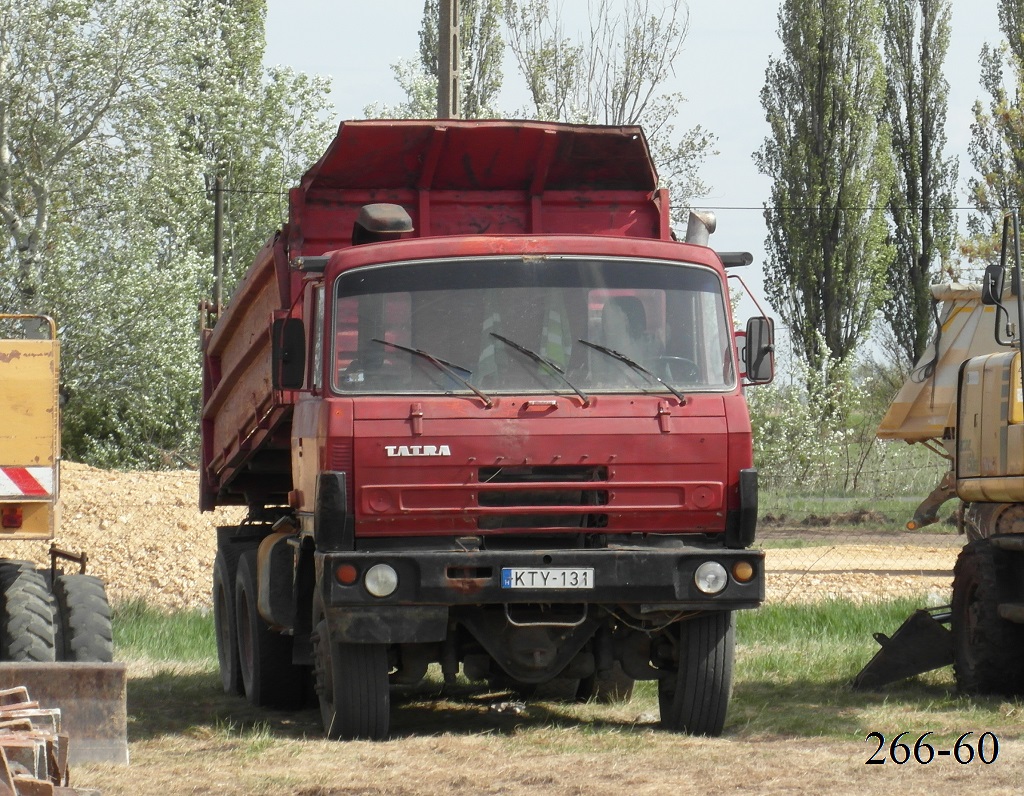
(92, 701)
(921, 644)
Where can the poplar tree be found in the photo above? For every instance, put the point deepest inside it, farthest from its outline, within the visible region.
(829, 159)
(997, 133)
(921, 208)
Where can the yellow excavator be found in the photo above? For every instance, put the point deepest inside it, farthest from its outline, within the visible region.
(965, 400)
(55, 628)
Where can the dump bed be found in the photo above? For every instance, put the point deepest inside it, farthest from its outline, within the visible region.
(925, 407)
(453, 178)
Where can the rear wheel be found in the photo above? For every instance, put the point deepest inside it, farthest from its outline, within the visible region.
(27, 627)
(225, 567)
(988, 650)
(83, 617)
(352, 686)
(694, 697)
(269, 677)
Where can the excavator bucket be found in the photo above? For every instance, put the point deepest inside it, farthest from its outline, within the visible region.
(921, 644)
(92, 702)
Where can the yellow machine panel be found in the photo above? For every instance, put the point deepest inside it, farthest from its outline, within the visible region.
(29, 429)
(990, 439)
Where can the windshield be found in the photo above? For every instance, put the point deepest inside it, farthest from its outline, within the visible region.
(531, 325)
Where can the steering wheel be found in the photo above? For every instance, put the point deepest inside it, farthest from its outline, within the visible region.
(677, 369)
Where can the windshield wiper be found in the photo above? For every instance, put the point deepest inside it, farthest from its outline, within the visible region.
(546, 362)
(636, 366)
(445, 367)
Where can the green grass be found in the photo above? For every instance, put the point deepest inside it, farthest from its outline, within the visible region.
(794, 665)
(142, 632)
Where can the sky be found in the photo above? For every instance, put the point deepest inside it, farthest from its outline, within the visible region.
(721, 73)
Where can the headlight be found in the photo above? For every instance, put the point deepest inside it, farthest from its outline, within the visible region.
(381, 580)
(711, 577)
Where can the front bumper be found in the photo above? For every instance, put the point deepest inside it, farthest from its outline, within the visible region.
(432, 582)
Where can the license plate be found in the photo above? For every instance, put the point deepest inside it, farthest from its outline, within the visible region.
(524, 578)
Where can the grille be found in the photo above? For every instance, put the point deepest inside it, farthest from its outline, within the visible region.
(528, 491)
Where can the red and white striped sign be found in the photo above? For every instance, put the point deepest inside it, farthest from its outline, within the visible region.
(26, 482)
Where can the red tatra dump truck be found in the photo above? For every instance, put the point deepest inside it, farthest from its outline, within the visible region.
(485, 413)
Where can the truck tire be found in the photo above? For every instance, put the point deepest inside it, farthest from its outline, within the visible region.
(83, 620)
(27, 627)
(988, 651)
(269, 677)
(694, 697)
(609, 688)
(225, 570)
(353, 687)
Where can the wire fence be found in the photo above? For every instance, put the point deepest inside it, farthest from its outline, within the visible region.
(854, 544)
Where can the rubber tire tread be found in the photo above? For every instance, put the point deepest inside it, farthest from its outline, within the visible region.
(695, 700)
(269, 676)
(83, 611)
(225, 570)
(27, 628)
(991, 661)
(361, 692)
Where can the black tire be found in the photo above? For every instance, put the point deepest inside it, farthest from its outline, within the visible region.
(27, 626)
(608, 688)
(352, 686)
(83, 617)
(988, 651)
(694, 698)
(225, 570)
(269, 677)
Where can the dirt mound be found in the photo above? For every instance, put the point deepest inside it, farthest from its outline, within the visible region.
(143, 533)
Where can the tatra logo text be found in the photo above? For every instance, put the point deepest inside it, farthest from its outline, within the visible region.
(417, 450)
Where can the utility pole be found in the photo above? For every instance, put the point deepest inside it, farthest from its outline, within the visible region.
(448, 67)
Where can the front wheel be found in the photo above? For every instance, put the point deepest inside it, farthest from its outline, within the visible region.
(987, 649)
(695, 695)
(352, 686)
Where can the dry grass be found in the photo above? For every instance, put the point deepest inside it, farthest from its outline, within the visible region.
(188, 737)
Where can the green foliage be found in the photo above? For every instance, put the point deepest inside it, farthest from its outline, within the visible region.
(831, 167)
(997, 134)
(119, 118)
(814, 435)
(482, 49)
(916, 40)
(613, 73)
(68, 70)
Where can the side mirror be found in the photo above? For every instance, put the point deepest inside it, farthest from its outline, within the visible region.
(759, 352)
(992, 285)
(289, 354)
